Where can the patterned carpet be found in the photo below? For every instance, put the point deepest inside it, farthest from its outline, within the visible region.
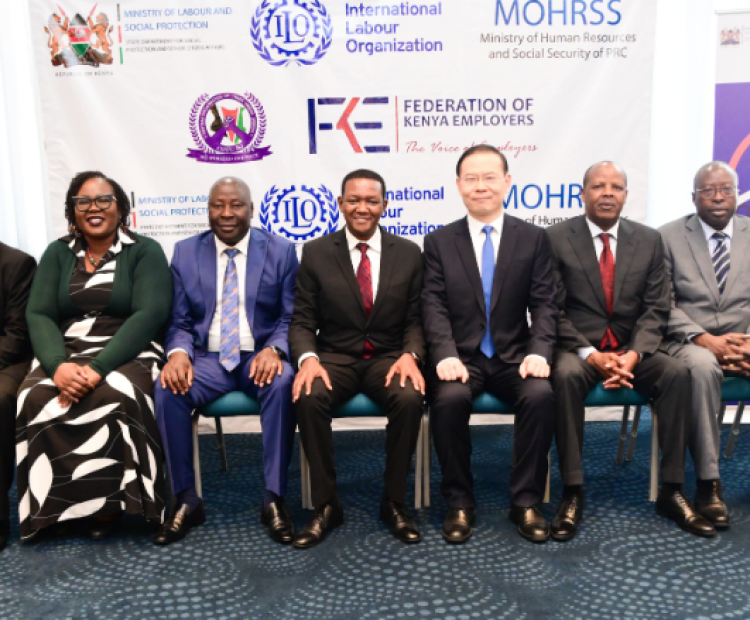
(625, 563)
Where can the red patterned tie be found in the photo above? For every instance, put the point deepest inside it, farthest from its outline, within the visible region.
(607, 270)
(364, 279)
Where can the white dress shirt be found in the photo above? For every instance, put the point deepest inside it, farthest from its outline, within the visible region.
(247, 342)
(584, 352)
(374, 252)
(478, 237)
(713, 243)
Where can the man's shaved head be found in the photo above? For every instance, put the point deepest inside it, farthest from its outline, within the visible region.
(591, 168)
(239, 183)
(711, 166)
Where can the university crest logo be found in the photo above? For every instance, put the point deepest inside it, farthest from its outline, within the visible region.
(75, 42)
(299, 214)
(291, 31)
(228, 129)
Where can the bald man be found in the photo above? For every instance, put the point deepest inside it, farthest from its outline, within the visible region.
(233, 299)
(613, 294)
(707, 265)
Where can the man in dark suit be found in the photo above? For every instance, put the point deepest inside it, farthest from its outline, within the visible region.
(355, 327)
(482, 274)
(16, 273)
(233, 299)
(613, 295)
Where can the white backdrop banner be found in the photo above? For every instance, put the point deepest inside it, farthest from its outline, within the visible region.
(166, 96)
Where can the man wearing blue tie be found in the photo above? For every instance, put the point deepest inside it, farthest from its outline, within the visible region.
(481, 276)
(233, 299)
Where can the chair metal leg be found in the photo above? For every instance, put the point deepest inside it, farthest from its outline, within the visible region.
(654, 483)
(634, 433)
(197, 458)
(720, 417)
(220, 441)
(623, 434)
(427, 457)
(304, 469)
(419, 466)
(549, 471)
(735, 429)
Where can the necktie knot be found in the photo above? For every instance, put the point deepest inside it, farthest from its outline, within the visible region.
(362, 247)
(719, 236)
(605, 239)
(488, 230)
(231, 253)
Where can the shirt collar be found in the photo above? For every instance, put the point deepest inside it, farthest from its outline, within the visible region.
(374, 242)
(241, 246)
(596, 231)
(708, 231)
(475, 226)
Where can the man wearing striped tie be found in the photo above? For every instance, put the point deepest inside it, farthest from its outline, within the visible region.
(233, 296)
(707, 263)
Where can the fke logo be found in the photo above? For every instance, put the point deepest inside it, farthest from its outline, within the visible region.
(228, 129)
(291, 31)
(299, 214)
(75, 42)
(360, 132)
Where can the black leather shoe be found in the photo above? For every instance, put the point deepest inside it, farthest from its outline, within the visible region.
(531, 523)
(457, 525)
(709, 503)
(101, 529)
(569, 512)
(276, 518)
(179, 524)
(325, 520)
(402, 526)
(675, 506)
(4, 533)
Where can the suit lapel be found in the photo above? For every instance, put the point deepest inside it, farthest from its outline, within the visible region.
(737, 252)
(256, 259)
(699, 247)
(469, 260)
(627, 246)
(504, 257)
(387, 260)
(583, 245)
(207, 272)
(341, 251)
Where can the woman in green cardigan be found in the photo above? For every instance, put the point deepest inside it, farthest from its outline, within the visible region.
(87, 442)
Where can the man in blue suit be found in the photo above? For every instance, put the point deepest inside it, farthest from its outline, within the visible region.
(233, 299)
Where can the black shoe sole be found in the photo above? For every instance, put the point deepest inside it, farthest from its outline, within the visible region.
(662, 513)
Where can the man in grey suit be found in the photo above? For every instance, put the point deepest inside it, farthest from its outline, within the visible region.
(613, 295)
(706, 258)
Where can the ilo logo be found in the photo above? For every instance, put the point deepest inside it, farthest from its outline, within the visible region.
(291, 31)
(299, 214)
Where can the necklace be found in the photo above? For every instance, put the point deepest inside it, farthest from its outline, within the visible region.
(91, 257)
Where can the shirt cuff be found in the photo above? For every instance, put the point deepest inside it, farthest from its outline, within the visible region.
(177, 349)
(539, 357)
(584, 352)
(690, 337)
(445, 360)
(304, 356)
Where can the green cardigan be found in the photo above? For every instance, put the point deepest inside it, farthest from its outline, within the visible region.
(141, 294)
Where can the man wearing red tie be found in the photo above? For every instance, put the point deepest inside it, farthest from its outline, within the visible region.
(613, 295)
(356, 328)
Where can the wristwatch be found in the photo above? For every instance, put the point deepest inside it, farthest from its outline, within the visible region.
(278, 352)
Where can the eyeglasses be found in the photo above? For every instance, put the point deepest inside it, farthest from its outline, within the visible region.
(709, 192)
(83, 203)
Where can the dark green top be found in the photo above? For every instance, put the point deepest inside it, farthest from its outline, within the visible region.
(141, 294)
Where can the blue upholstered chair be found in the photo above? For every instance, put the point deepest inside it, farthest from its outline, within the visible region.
(237, 404)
